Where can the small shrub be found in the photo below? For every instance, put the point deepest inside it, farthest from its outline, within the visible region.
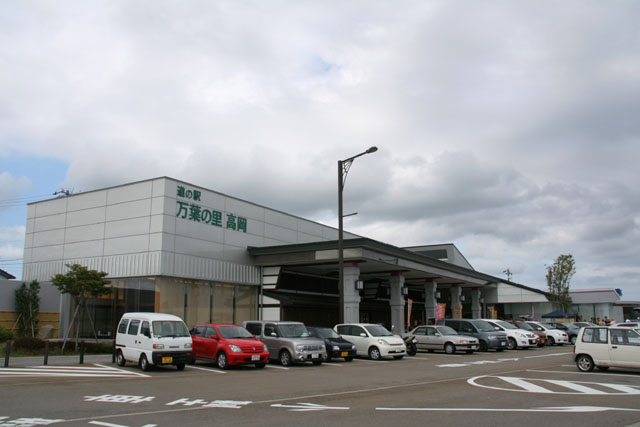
(5, 335)
(27, 344)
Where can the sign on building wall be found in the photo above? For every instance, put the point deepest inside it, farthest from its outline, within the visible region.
(188, 209)
(440, 311)
(457, 311)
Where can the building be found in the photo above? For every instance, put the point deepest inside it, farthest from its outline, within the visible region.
(174, 247)
(601, 303)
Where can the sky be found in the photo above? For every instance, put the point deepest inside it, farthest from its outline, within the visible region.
(508, 128)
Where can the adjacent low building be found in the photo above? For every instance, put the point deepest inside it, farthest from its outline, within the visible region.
(174, 247)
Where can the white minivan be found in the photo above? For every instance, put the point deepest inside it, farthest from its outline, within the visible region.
(150, 339)
(372, 340)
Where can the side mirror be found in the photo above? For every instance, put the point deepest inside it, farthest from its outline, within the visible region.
(362, 334)
(214, 337)
(146, 333)
(497, 329)
(437, 334)
(273, 334)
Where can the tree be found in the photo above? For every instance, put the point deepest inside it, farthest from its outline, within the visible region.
(27, 308)
(559, 275)
(82, 284)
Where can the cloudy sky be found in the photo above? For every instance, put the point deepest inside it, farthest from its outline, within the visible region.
(509, 128)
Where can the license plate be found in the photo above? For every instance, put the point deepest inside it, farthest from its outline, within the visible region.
(167, 360)
(344, 354)
(315, 356)
(255, 357)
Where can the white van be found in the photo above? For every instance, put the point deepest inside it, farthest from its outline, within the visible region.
(372, 340)
(153, 339)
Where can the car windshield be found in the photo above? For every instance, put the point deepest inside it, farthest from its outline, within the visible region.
(234, 332)
(327, 333)
(445, 330)
(378, 331)
(506, 325)
(484, 326)
(526, 327)
(293, 331)
(169, 328)
(542, 327)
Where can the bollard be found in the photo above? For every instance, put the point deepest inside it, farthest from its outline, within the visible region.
(7, 354)
(81, 352)
(46, 352)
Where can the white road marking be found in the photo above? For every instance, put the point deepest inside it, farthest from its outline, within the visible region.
(333, 364)
(309, 407)
(609, 374)
(217, 371)
(277, 367)
(100, 423)
(69, 371)
(371, 361)
(530, 385)
(548, 355)
(542, 409)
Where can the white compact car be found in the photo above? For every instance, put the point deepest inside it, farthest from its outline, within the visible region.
(604, 347)
(153, 339)
(554, 336)
(374, 341)
(516, 337)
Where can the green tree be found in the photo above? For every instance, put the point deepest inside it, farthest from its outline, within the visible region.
(559, 276)
(27, 304)
(82, 284)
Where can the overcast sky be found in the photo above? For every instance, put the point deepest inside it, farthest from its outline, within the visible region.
(508, 128)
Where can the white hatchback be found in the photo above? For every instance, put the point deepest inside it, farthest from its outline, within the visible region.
(604, 347)
(374, 341)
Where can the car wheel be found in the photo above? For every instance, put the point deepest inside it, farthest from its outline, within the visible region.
(223, 363)
(180, 366)
(573, 339)
(374, 353)
(144, 363)
(449, 348)
(512, 344)
(260, 365)
(551, 341)
(348, 359)
(285, 358)
(584, 363)
(483, 346)
(120, 360)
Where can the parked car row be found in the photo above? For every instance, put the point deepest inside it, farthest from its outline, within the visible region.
(150, 339)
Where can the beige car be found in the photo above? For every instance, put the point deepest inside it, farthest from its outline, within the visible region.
(604, 347)
(432, 338)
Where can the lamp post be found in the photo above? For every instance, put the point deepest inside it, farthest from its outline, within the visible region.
(343, 170)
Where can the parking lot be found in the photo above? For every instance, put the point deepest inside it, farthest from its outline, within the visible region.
(524, 387)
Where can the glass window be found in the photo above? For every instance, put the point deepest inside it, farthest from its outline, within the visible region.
(269, 330)
(198, 307)
(421, 331)
(254, 328)
(245, 303)
(595, 336)
(123, 326)
(222, 303)
(445, 330)
(169, 328)
(293, 330)
(210, 332)
(170, 296)
(231, 332)
(344, 330)
(133, 327)
(378, 331)
(357, 330)
(144, 330)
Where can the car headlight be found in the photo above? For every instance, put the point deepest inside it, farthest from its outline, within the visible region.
(234, 348)
(323, 348)
(300, 348)
(353, 347)
(493, 337)
(158, 346)
(187, 345)
(336, 348)
(383, 342)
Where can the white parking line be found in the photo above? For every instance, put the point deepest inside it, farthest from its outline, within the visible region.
(207, 369)
(609, 374)
(333, 364)
(547, 355)
(371, 361)
(277, 367)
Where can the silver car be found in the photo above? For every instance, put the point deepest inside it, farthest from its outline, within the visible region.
(288, 342)
(432, 338)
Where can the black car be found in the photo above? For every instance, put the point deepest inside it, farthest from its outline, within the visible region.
(336, 345)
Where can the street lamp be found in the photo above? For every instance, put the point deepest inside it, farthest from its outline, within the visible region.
(343, 170)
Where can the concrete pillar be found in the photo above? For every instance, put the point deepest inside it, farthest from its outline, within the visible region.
(396, 283)
(351, 294)
(456, 293)
(430, 300)
(476, 306)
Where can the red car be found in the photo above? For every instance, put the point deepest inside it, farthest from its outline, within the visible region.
(228, 345)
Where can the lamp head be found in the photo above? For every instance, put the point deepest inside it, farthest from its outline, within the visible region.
(372, 150)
